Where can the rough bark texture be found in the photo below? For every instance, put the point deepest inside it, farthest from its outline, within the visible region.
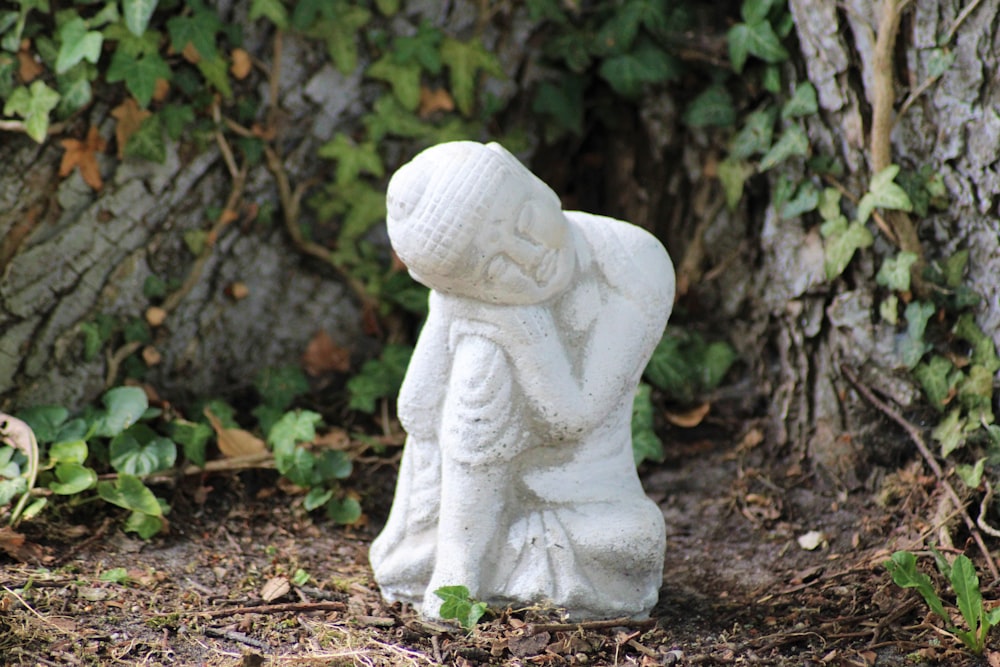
(70, 253)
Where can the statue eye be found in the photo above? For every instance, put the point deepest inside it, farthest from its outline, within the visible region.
(525, 220)
(495, 268)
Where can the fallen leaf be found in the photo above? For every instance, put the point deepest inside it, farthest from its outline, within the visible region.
(811, 540)
(161, 89)
(14, 545)
(83, 155)
(191, 54)
(335, 438)
(155, 316)
(235, 442)
(151, 356)
(242, 65)
(322, 355)
(523, 647)
(275, 588)
(434, 100)
(237, 291)
(130, 118)
(690, 418)
(28, 68)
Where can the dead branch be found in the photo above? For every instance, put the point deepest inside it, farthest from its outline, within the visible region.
(324, 605)
(535, 628)
(932, 463)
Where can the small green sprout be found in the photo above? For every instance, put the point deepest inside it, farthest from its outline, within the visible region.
(457, 604)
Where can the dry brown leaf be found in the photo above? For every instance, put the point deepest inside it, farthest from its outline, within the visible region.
(28, 68)
(322, 355)
(689, 418)
(13, 544)
(161, 89)
(335, 438)
(242, 65)
(83, 155)
(433, 100)
(275, 588)
(130, 118)
(235, 442)
(151, 356)
(155, 316)
(237, 291)
(191, 54)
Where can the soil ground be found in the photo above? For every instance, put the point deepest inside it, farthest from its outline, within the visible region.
(740, 586)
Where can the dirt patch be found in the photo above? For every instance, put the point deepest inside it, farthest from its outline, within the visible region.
(228, 585)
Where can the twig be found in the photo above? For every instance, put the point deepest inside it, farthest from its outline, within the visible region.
(883, 99)
(40, 617)
(964, 14)
(932, 463)
(248, 462)
(535, 628)
(323, 605)
(238, 637)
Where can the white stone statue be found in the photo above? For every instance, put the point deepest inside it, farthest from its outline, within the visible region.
(517, 479)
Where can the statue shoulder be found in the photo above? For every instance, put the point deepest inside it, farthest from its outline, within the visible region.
(627, 253)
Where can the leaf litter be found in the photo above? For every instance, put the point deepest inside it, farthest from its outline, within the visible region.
(250, 573)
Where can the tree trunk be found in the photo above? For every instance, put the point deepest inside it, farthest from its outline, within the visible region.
(71, 253)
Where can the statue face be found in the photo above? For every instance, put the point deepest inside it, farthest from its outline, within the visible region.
(526, 255)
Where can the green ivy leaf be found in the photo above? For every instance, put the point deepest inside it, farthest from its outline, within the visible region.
(911, 346)
(562, 102)
(403, 77)
(758, 39)
(388, 117)
(344, 511)
(464, 60)
(294, 427)
(755, 136)
(379, 378)
(279, 386)
(423, 48)
(273, 10)
(938, 377)
(129, 492)
(72, 478)
(352, 159)
(630, 72)
(77, 43)
(950, 432)
(895, 271)
(645, 443)
(147, 142)
(123, 408)
(983, 350)
(457, 604)
(297, 466)
(333, 464)
(884, 193)
(842, 240)
(75, 90)
(33, 104)
(316, 498)
(803, 102)
(975, 392)
(145, 525)
(216, 72)
(971, 475)
(137, 14)
(733, 175)
(198, 29)
(793, 142)
(176, 117)
(806, 199)
(193, 437)
(140, 451)
(387, 7)
(135, 45)
(712, 108)
(11, 489)
(339, 31)
(139, 73)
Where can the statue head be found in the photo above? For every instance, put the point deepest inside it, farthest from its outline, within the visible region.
(469, 219)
